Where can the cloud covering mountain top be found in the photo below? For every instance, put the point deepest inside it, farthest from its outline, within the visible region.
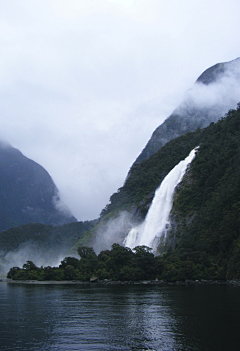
(215, 92)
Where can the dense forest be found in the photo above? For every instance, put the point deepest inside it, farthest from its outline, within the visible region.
(119, 263)
(207, 205)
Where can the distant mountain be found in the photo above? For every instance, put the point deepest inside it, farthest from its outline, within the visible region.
(214, 93)
(27, 192)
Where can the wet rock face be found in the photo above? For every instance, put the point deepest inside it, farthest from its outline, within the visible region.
(27, 192)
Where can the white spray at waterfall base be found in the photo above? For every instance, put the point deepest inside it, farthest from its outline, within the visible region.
(156, 222)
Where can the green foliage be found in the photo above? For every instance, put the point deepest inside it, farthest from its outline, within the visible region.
(13, 272)
(72, 261)
(29, 266)
(119, 263)
(86, 252)
(211, 191)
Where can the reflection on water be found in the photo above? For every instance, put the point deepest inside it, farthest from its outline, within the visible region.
(120, 317)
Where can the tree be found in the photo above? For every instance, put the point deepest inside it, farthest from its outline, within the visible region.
(49, 273)
(72, 261)
(12, 272)
(29, 266)
(70, 272)
(121, 255)
(85, 252)
(142, 250)
(145, 261)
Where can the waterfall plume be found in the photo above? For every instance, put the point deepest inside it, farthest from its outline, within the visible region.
(156, 223)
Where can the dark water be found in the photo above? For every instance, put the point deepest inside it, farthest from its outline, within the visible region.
(73, 317)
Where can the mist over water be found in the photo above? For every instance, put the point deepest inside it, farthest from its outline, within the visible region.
(29, 251)
(156, 223)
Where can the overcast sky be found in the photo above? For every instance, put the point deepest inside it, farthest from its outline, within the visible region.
(83, 83)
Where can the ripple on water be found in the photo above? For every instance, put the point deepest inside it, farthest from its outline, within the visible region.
(175, 318)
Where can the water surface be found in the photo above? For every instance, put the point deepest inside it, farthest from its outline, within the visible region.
(119, 317)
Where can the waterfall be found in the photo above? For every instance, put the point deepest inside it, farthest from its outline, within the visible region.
(157, 222)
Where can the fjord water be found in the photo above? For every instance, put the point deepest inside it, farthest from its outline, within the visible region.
(119, 317)
(157, 219)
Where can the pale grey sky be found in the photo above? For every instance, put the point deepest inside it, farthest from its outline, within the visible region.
(83, 83)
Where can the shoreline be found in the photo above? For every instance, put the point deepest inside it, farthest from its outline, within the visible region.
(112, 282)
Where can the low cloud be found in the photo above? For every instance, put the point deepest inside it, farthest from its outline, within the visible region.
(60, 205)
(223, 93)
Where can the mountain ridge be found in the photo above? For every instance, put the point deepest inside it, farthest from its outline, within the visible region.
(190, 115)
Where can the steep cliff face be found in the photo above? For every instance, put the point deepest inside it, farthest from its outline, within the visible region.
(27, 192)
(214, 93)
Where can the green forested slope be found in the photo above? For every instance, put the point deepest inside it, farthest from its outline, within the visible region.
(211, 195)
(146, 176)
(205, 237)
